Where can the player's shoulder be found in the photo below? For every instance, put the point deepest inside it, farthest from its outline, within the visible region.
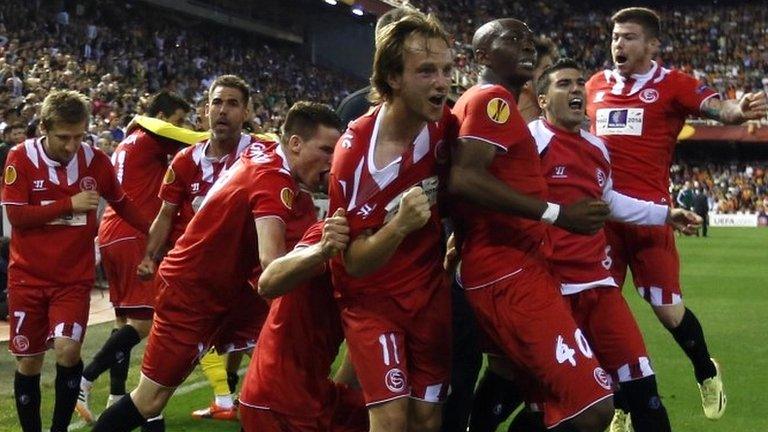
(541, 133)
(265, 159)
(598, 79)
(93, 154)
(596, 143)
(485, 93)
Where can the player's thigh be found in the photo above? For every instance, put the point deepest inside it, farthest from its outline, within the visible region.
(614, 334)
(389, 416)
(535, 329)
(377, 348)
(428, 339)
(655, 265)
(151, 397)
(28, 319)
(424, 416)
(68, 320)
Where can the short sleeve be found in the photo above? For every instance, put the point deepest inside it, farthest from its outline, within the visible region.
(274, 195)
(690, 93)
(109, 186)
(312, 235)
(15, 181)
(174, 187)
(491, 116)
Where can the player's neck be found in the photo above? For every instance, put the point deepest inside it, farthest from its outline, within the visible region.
(554, 123)
(399, 124)
(488, 76)
(641, 70)
(219, 148)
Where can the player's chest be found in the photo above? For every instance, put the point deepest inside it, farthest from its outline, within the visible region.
(574, 173)
(55, 183)
(629, 115)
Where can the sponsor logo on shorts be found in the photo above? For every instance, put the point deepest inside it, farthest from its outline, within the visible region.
(21, 343)
(603, 378)
(395, 380)
(10, 175)
(649, 95)
(498, 110)
(88, 184)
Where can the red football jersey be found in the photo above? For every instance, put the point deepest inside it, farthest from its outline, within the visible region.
(575, 166)
(289, 369)
(495, 244)
(61, 252)
(191, 175)
(640, 118)
(139, 161)
(218, 250)
(371, 196)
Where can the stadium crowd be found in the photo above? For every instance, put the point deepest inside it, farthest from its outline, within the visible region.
(117, 53)
(730, 188)
(724, 47)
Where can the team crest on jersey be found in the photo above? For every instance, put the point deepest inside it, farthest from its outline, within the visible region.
(498, 110)
(602, 378)
(21, 343)
(600, 177)
(170, 176)
(649, 95)
(286, 196)
(10, 175)
(88, 183)
(395, 380)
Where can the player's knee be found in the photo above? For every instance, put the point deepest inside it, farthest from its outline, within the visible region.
(142, 327)
(29, 366)
(67, 352)
(390, 416)
(425, 419)
(670, 316)
(596, 418)
(150, 400)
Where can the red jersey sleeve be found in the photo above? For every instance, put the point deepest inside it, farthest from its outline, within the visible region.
(174, 187)
(312, 235)
(274, 196)
(489, 115)
(690, 93)
(109, 186)
(15, 181)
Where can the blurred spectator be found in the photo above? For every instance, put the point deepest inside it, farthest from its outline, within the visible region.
(730, 188)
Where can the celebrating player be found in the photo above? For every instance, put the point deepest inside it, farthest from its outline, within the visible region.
(251, 215)
(638, 109)
(501, 231)
(52, 189)
(394, 296)
(139, 161)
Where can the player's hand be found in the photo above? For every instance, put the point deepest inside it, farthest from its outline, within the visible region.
(85, 201)
(585, 217)
(451, 254)
(414, 211)
(684, 221)
(754, 106)
(335, 234)
(146, 268)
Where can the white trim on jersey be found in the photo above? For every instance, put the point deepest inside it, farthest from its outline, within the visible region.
(286, 169)
(30, 146)
(640, 79)
(574, 288)
(541, 134)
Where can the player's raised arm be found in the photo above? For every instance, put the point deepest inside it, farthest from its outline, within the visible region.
(305, 261)
(751, 106)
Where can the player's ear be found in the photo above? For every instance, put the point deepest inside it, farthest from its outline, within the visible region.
(655, 45)
(542, 99)
(294, 143)
(395, 81)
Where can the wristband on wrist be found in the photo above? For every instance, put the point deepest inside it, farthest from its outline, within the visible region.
(551, 213)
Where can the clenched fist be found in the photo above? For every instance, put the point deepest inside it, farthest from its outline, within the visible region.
(414, 211)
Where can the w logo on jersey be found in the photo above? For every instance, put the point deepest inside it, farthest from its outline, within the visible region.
(366, 210)
(256, 153)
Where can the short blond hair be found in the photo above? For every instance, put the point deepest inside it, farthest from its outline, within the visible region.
(64, 106)
(390, 49)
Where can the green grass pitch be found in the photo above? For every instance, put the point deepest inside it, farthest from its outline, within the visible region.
(725, 281)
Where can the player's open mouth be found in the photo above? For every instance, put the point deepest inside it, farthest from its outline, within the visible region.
(620, 59)
(437, 100)
(576, 103)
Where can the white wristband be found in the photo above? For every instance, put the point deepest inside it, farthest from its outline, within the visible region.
(551, 213)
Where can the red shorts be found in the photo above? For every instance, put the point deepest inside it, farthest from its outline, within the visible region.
(346, 413)
(526, 317)
(39, 314)
(612, 332)
(126, 290)
(651, 254)
(189, 320)
(397, 349)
